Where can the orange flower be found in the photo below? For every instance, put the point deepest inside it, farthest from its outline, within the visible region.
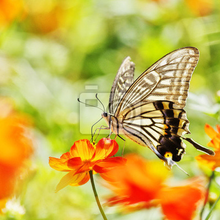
(83, 157)
(180, 202)
(10, 10)
(137, 181)
(200, 7)
(54, 15)
(142, 183)
(15, 148)
(211, 161)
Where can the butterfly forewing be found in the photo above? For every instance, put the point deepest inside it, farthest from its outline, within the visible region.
(122, 82)
(167, 79)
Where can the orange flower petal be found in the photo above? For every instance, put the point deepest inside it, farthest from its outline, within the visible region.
(74, 163)
(9, 11)
(83, 181)
(215, 143)
(210, 131)
(137, 181)
(83, 149)
(105, 148)
(15, 144)
(66, 156)
(71, 179)
(180, 203)
(58, 164)
(201, 7)
(108, 164)
(218, 128)
(115, 148)
(210, 161)
(211, 144)
(8, 177)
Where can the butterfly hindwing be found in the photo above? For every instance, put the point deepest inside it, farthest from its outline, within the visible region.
(158, 123)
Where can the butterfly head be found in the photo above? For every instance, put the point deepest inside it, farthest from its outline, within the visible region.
(106, 117)
(104, 114)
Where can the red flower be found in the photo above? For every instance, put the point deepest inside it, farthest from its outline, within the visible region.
(211, 161)
(142, 183)
(83, 157)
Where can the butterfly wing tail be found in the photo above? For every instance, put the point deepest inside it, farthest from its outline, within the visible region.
(199, 147)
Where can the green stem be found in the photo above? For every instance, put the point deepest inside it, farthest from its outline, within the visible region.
(207, 193)
(96, 195)
(212, 208)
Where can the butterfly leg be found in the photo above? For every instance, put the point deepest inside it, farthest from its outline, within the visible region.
(98, 129)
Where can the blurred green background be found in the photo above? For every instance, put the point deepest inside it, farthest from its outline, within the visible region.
(52, 52)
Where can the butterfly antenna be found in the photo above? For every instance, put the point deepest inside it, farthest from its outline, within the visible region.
(88, 104)
(96, 95)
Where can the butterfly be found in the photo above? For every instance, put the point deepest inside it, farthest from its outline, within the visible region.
(149, 110)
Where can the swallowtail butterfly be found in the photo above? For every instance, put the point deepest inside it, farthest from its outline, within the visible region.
(149, 110)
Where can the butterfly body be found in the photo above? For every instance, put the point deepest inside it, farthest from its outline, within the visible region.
(150, 110)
